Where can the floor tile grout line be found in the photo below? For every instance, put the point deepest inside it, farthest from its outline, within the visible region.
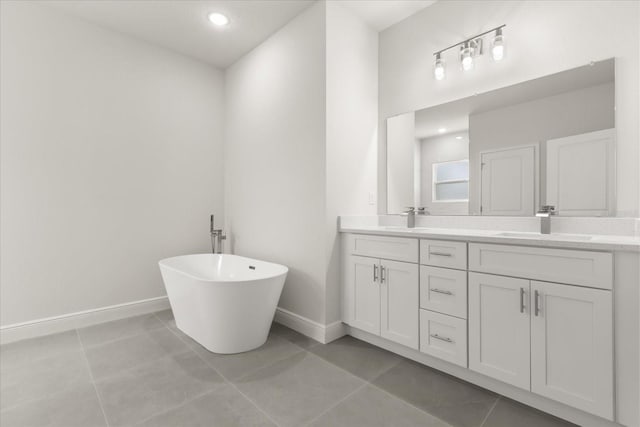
(226, 380)
(110, 341)
(168, 355)
(407, 403)
(50, 395)
(490, 411)
(93, 381)
(166, 410)
(334, 405)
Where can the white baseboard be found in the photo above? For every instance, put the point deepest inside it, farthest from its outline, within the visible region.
(66, 322)
(319, 332)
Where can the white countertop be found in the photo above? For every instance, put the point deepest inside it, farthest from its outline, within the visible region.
(554, 240)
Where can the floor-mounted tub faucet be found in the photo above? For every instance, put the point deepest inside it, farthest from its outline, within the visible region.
(216, 238)
(545, 213)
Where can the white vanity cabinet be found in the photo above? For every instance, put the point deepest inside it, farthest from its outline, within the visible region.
(382, 295)
(554, 339)
(536, 318)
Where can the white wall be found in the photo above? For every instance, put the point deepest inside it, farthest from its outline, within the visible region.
(535, 122)
(301, 150)
(352, 130)
(275, 158)
(110, 160)
(542, 37)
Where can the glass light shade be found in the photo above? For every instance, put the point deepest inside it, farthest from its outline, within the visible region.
(497, 49)
(467, 58)
(438, 69)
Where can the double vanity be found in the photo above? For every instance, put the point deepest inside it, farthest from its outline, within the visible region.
(510, 311)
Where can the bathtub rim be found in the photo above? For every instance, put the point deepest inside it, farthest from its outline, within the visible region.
(285, 270)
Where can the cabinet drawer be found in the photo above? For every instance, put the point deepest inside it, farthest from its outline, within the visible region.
(443, 253)
(585, 268)
(394, 248)
(444, 337)
(443, 290)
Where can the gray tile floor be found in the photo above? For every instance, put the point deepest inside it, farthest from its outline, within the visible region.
(143, 371)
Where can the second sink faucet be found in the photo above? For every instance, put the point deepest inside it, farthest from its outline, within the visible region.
(411, 215)
(545, 213)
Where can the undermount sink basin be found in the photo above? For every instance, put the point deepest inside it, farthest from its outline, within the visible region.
(545, 236)
(403, 228)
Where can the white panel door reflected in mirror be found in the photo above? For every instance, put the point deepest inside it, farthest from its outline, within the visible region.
(534, 121)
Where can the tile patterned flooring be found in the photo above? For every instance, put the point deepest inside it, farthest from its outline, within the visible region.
(143, 371)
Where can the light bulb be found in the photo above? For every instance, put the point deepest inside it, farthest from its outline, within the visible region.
(497, 49)
(438, 69)
(467, 57)
(218, 19)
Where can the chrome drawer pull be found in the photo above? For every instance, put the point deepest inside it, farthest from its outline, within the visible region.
(536, 303)
(440, 291)
(440, 254)
(438, 337)
(521, 300)
(375, 272)
(382, 274)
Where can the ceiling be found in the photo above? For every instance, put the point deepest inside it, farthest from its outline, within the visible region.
(182, 25)
(381, 14)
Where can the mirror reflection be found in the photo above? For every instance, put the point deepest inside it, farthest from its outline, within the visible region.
(548, 141)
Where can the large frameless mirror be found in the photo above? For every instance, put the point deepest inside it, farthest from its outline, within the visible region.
(547, 141)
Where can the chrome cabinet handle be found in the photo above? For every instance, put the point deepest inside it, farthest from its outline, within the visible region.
(521, 300)
(536, 303)
(382, 278)
(440, 291)
(438, 337)
(441, 254)
(375, 272)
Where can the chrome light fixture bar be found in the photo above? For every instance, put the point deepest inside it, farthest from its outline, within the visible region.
(469, 49)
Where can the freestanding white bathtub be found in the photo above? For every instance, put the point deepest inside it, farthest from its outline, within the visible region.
(224, 302)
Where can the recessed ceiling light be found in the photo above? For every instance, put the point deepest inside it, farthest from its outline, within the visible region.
(218, 19)
(442, 130)
(458, 137)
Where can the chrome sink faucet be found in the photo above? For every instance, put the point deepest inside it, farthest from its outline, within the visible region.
(545, 213)
(216, 238)
(411, 215)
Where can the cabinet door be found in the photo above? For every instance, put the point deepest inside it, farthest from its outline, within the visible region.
(366, 293)
(572, 346)
(399, 284)
(581, 174)
(499, 328)
(508, 182)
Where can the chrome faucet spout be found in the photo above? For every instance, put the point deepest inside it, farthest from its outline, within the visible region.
(545, 213)
(411, 215)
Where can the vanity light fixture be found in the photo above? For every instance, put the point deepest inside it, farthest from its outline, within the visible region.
(218, 19)
(470, 49)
